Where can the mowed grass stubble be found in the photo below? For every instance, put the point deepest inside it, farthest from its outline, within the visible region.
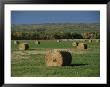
(30, 63)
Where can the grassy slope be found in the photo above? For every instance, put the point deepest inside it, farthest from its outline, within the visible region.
(95, 27)
(46, 44)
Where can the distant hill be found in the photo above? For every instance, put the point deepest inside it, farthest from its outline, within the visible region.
(56, 27)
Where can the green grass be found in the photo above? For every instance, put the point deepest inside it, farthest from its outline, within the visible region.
(30, 64)
(46, 44)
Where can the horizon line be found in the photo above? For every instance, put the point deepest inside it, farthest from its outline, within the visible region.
(58, 23)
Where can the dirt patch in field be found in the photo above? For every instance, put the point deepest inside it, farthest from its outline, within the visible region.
(77, 51)
(27, 54)
(18, 56)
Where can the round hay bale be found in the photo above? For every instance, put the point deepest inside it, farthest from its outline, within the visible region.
(37, 42)
(82, 46)
(90, 41)
(16, 42)
(58, 58)
(75, 44)
(58, 41)
(85, 41)
(23, 46)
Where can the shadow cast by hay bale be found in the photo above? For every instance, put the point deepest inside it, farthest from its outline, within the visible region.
(78, 64)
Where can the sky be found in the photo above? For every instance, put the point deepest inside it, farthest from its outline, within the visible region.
(39, 17)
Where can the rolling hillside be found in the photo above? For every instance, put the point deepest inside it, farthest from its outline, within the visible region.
(56, 27)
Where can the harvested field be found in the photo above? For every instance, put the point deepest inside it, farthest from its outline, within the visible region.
(31, 63)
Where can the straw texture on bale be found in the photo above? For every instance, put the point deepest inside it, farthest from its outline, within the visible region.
(16, 42)
(37, 42)
(75, 44)
(57, 58)
(82, 46)
(23, 46)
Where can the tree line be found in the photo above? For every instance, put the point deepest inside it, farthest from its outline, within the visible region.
(55, 35)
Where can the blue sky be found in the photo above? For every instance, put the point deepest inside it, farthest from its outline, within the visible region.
(39, 17)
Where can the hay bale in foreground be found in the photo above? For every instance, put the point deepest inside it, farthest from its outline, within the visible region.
(23, 46)
(82, 46)
(58, 58)
(75, 44)
(37, 42)
(16, 42)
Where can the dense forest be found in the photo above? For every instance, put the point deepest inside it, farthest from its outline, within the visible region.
(55, 31)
